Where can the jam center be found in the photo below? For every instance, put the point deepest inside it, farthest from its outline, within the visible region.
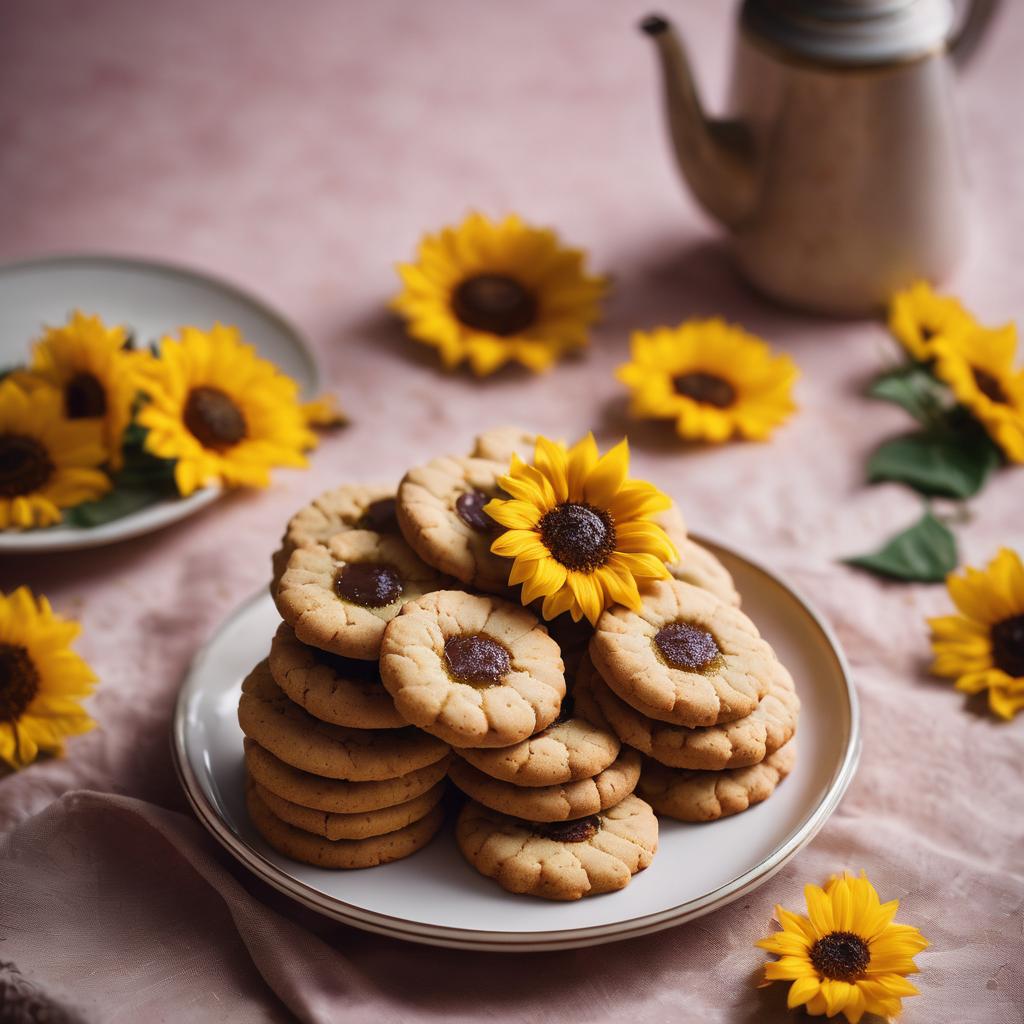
(470, 509)
(495, 303)
(989, 386)
(579, 830)
(707, 388)
(368, 584)
(476, 659)
(19, 681)
(380, 516)
(1008, 646)
(24, 465)
(578, 535)
(841, 956)
(214, 419)
(687, 647)
(84, 397)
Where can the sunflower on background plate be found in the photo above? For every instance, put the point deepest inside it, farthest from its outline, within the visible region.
(714, 379)
(220, 411)
(579, 530)
(490, 293)
(41, 679)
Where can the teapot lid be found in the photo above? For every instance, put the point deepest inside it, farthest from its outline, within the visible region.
(851, 31)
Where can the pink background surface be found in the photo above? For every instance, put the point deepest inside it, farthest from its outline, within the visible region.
(299, 150)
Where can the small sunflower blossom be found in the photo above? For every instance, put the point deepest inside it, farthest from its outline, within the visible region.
(224, 415)
(982, 648)
(489, 293)
(579, 531)
(42, 680)
(846, 956)
(324, 412)
(920, 319)
(47, 461)
(978, 366)
(714, 379)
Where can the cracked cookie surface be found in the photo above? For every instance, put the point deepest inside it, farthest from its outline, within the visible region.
(499, 444)
(701, 568)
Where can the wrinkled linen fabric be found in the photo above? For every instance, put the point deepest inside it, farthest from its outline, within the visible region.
(299, 150)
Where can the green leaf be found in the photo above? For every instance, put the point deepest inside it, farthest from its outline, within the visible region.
(912, 388)
(923, 553)
(118, 503)
(949, 464)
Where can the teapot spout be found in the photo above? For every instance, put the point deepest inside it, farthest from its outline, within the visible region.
(714, 156)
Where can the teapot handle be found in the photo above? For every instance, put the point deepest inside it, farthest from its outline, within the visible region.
(964, 41)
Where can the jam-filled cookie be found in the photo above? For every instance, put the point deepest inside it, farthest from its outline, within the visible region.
(500, 443)
(562, 860)
(352, 826)
(345, 691)
(685, 657)
(279, 725)
(341, 853)
(570, 748)
(708, 796)
(441, 513)
(348, 507)
(340, 595)
(551, 803)
(701, 568)
(336, 795)
(737, 744)
(475, 671)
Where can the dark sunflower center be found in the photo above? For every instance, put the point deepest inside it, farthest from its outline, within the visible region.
(1008, 646)
(578, 535)
(470, 509)
(380, 516)
(476, 659)
(841, 956)
(687, 647)
(19, 681)
(24, 465)
(707, 388)
(579, 830)
(84, 397)
(989, 386)
(495, 303)
(214, 419)
(368, 584)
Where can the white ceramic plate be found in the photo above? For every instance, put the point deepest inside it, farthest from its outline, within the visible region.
(434, 897)
(154, 299)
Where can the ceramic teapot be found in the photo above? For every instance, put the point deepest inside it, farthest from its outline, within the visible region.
(839, 172)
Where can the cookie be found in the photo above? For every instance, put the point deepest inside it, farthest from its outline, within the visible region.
(569, 749)
(701, 568)
(345, 691)
(551, 803)
(573, 638)
(279, 725)
(351, 826)
(475, 671)
(340, 596)
(337, 795)
(499, 444)
(564, 861)
(584, 703)
(708, 796)
(341, 853)
(672, 522)
(711, 748)
(348, 507)
(441, 513)
(685, 657)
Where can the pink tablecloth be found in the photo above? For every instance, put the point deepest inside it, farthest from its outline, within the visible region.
(299, 149)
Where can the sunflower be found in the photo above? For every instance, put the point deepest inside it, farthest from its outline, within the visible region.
(714, 379)
(91, 365)
(579, 530)
(846, 956)
(491, 293)
(221, 411)
(47, 461)
(978, 367)
(41, 679)
(919, 319)
(983, 647)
